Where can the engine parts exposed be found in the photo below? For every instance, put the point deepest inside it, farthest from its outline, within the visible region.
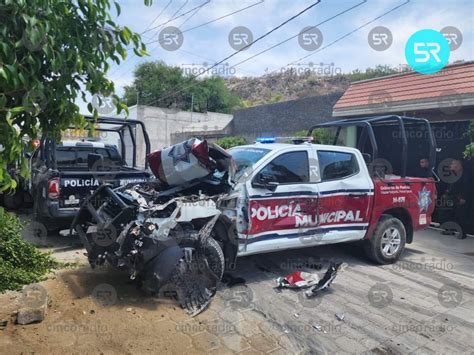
(167, 234)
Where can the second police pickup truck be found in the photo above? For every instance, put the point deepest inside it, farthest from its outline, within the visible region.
(63, 174)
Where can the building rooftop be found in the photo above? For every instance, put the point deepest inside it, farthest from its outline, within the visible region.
(409, 91)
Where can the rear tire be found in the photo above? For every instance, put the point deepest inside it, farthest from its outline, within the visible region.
(388, 241)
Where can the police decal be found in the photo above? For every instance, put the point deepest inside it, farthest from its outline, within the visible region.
(424, 199)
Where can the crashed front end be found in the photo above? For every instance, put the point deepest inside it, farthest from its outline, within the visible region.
(166, 233)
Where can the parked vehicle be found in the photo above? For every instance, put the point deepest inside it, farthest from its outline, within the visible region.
(206, 209)
(310, 194)
(63, 174)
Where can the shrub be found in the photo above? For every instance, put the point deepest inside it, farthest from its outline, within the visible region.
(469, 150)
(229, 142)
(20, 262)
(320, 135)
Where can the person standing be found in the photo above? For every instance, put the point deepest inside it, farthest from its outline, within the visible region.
(458, 192)
(423, 169)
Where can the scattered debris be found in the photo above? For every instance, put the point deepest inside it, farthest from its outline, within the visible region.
(319, 328)
(326, 281)
(297, 315)
(298, 279)
(128, 309)
(163, 231)
(340, 316)
(3, 324)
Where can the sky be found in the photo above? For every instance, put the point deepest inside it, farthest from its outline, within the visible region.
(209, 44)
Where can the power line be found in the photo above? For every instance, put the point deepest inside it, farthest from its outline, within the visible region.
(171, 19)
(214, 20)
(158, 16)
(349, 33)
(344, 36)
(211, 60)
(194, 28)
(243, 48)
(296, 35)
(193, 14)
(174, 18)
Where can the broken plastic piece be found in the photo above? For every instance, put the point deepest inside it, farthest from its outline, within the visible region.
(340, 316)
(298, 279)
(319, 328)
(326, 281)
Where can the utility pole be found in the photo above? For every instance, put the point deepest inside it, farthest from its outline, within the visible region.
(192, 106)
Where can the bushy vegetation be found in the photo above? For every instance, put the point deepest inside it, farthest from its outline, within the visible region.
(51, 53)
(229, 142)
(469, 151)
(158, 84)
(376, 72)
(320, 135)
(20, 262)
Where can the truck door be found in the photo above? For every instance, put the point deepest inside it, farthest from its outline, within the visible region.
(282, 199)
(346, 191)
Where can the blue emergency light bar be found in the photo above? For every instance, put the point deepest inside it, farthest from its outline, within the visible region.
(266, 140)
(295, 140)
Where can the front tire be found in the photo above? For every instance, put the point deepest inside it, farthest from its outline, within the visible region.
(388, 241)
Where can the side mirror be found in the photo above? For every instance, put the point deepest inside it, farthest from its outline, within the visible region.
(265, 181)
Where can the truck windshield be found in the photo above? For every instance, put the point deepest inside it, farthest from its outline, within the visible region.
(245, 158)
(77, 156)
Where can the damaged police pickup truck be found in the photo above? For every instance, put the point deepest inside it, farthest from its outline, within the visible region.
(179, 233)
(63, 174)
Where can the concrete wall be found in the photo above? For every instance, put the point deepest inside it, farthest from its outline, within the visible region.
(161, 123)
(210, 136)
(283, 118)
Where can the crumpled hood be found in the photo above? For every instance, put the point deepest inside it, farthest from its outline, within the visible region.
(189, 160)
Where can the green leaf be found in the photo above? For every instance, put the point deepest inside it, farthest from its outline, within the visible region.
(17, 109)
(117, 8)
(4, 74)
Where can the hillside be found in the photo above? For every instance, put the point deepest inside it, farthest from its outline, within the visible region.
(289, 85)
(273, 88)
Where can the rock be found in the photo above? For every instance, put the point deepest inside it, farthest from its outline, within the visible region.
(34, 312)
(31, 315)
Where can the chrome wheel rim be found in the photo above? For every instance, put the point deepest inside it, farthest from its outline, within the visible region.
(391, 241)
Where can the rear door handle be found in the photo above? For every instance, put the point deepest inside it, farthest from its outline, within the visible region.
(358, 195)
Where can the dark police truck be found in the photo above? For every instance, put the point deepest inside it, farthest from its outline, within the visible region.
(63, 174)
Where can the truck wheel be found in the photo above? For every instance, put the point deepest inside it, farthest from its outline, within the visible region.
(388, 241)
(213, 253)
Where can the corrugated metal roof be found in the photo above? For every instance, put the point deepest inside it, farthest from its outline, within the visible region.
(400, 90)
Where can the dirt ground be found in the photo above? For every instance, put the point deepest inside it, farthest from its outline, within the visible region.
(423, 304)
